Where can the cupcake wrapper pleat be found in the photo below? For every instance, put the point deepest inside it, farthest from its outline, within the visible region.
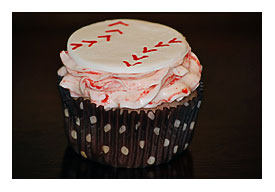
(128, 139)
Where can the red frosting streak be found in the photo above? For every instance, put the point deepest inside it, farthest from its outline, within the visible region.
(174, 41)
(117, 23)
(138, 58)
(168, 78)
(195, 59)
(93, 85)
(160, 44)
(163, 100)
(185, 90)
(129, 65)
(146, 92)
(173, 95)
(108, 37)
(76, 45)
(174, 80)
(114, 30)
(146, 50)
(91, 42)
(106, 99)
(89, 72)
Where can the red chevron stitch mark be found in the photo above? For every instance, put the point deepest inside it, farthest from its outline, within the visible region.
(129, 65)
(146, 50)
(115, 30)
(160, 44)
(108, 37)
(174, 41)
(117, 23)
(138, 58)
(76, 45)
(91, 42)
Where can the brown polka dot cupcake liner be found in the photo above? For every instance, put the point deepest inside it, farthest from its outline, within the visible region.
(120, 138)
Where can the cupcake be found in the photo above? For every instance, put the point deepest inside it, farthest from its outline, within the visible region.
(131, 91)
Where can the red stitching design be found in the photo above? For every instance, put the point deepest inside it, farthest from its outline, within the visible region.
(160, 44)
(115, 30)
(76, 45)
(146, 50)
(174, 41)
(108, 37)
(129, 65)
(91, 42)
(117, 23)
(138, 58)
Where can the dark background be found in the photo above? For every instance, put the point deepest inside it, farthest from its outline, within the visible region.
(228, 139)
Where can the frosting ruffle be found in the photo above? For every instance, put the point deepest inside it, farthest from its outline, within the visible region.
(135, 90)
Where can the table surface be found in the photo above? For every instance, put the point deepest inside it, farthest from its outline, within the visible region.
(227, 141)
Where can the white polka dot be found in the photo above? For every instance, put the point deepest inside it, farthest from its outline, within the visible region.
(124, 150)
(83, 154)
(151, 115)
(166, 142)
(185, 146)
(93, 119)
(77, 121)
(156, 130)
(177, 123)
(151, 160)
(105, 149)
(89, 138)
(74, 134)
(81, 105)
(199, 104)
(175, 149)
(141, 144)
(186, 104)
(66, 112)
(122, 129)
(184, 126)
(137, 125)
(192, 124)
(107, 128)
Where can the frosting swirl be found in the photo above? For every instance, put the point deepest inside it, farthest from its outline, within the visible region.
(131, 90)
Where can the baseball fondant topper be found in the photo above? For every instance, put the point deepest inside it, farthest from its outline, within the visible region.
(127, 46)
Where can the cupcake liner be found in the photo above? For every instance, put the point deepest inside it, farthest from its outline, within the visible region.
(128, 139)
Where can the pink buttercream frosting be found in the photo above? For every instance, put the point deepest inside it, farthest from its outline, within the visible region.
(135, 90)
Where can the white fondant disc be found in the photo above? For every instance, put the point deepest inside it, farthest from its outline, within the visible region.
(126, 46)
